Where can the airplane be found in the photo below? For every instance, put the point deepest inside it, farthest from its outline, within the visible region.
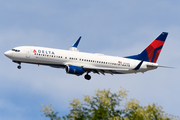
(78, 63)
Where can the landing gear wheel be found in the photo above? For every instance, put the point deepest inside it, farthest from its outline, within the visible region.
(19, 67)
(87, 77)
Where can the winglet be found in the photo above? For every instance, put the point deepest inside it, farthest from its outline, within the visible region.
(75, 45)
(77, 42)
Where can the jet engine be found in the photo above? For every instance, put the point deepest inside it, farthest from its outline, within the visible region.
(74, 70)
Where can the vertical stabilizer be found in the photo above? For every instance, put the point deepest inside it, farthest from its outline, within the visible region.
(151, 53)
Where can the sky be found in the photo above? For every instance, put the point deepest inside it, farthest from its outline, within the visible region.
(116, 27)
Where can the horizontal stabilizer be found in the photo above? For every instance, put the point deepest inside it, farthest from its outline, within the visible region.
(154, 66)
(167, 67)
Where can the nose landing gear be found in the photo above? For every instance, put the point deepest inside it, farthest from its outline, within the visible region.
(87, 77)
(19, 66)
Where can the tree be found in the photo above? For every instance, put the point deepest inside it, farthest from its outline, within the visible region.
(105, 105)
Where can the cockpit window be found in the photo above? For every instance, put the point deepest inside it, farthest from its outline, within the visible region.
(15, 50)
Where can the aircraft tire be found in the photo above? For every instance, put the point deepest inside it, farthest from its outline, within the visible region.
(87, 77)
(19, 67)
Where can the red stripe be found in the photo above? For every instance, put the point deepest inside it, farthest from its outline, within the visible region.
(150, 49)
(156, 56)
(157, 43)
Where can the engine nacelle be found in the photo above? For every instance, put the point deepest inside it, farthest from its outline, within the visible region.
(74, 70)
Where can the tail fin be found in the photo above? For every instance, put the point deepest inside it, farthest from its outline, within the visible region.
(151, 53)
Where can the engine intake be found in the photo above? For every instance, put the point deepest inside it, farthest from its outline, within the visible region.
(74, 70)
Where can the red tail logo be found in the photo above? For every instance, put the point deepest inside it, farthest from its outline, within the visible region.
(154, 49)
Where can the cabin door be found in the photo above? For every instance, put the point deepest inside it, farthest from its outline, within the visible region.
(28, 54)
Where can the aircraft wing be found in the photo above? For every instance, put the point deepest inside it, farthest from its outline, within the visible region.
(104, 70)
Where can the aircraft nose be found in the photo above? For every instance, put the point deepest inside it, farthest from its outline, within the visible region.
(8, 53)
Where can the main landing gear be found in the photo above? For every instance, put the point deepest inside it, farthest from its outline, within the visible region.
(87, 77)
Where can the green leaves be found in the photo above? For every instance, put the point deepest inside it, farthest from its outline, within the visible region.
(105, 105)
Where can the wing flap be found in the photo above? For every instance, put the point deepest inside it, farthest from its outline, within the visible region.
(104, 70)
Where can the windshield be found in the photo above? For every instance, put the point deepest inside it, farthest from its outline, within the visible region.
(15, 50)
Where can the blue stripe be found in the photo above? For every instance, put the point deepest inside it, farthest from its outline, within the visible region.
(155, 51)
(144, 56)
(138, 66)
(141, 56)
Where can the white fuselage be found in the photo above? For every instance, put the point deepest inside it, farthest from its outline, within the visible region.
(61, 58)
